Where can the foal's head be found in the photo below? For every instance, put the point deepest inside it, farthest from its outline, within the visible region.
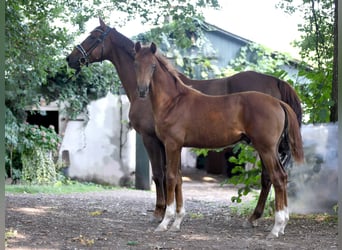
(145, 65)
(92, 49)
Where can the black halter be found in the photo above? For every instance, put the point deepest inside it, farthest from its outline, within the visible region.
(84, 60)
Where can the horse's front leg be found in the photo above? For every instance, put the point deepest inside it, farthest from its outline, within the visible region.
(180, 210)
(172, 186)
(156, 152)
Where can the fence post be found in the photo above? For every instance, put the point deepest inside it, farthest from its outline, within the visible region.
(142, 166)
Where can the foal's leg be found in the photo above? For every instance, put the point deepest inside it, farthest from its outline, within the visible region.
(278, 179)
(265, 189)
(284, 152)
(156, 152)
(173, 153)
(286, 208)
(180, 211)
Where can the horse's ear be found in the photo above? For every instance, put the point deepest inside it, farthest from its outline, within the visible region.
(102, 24)
(137, 47)
(153, 48)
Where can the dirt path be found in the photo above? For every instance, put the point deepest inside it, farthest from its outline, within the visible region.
(120, 219)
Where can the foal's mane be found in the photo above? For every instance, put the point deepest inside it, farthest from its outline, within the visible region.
(169, 67)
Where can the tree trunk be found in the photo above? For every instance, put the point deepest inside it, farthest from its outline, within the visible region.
(334, 89)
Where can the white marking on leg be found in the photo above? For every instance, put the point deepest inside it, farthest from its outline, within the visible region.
(179, 218)
(278, 224)
(287, 217)
(169, 214)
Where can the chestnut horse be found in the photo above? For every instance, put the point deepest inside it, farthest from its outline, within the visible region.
(185, 117)
(105, 43)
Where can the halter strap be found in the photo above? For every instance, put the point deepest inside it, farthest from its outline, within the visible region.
(84, 60)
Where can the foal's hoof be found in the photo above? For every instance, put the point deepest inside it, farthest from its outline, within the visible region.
(271, 236)
(174, 229)
(160, 229)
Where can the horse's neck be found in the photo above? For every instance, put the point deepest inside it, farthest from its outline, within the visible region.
(124, 65)
(165, 91)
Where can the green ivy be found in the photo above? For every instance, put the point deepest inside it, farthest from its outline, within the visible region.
(34, 136)
(249, 178)
(38, 167)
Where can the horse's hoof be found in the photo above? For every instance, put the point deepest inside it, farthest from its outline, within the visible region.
(156, 219)
(248, 224)
(174, 229)
(160, 229)
(271, 236)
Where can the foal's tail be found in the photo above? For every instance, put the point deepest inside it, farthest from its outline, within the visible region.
(292, 132)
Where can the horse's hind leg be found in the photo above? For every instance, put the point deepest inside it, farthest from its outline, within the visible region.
(265, 189)
(284, 152)
(156, 152)
(180, 211)
(278, 178)
(286, 209)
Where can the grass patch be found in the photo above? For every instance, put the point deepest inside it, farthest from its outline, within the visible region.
(246, 208)
(57, 188)
(319, 217)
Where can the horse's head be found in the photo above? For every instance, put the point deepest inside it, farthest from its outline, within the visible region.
(92, 49)
(145, 65)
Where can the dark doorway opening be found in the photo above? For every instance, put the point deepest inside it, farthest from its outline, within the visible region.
(43, 118)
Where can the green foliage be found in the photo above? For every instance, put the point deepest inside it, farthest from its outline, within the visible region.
(11, 141)
(37, 38)
(34, 44)
(38, 148)
(312, 85)
(77, 92)
(184, 41)
(204, 151)
(317, 50)
(160, 11)
(33, 136)
(247, 208)
(59, 187)
(30, 151)
(261, 59)
(38, 167)
(316, 42)
(249, 178)
(315, 95)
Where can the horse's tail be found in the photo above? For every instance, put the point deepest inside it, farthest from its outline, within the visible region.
(289, 95)
(292, 132)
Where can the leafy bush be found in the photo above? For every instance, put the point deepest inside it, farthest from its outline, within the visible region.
(11, 141)
(248, 178)
(34, 136)
(30, 151)
(38, 148)
(247, 208)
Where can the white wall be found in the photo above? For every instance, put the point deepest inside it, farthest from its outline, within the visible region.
(94, 146)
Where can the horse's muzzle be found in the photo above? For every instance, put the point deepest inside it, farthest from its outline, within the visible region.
(74, 64)
(143, 91)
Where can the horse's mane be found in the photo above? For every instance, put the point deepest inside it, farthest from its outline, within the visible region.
(124, 42)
